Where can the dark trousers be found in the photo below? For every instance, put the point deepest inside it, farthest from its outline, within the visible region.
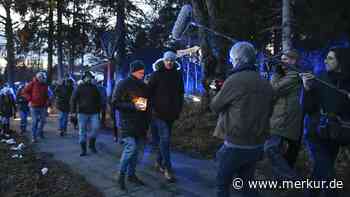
(115, 123)
(236, 162)
(292, 152)
(162, 129)
(276, 149)
(323, 155)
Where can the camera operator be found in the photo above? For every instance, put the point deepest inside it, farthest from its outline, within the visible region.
(327, 110)
(244, 105)
(286, 120)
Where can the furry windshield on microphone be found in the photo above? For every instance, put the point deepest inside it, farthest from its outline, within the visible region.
(182, 22)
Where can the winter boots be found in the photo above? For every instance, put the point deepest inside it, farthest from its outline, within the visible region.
(83, 149)
(134, 179)
(92, 145)
(62, 132)
(121, 181)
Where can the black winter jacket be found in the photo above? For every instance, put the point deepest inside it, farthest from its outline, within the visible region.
(7, 106)
(327, 100)
(63, 94)
(21, 101)
(86, 99)
(167, 93)
(132, 122)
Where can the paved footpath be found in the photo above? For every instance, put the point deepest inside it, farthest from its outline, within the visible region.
(195, 178)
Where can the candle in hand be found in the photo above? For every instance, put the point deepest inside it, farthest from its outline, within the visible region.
(140, 103)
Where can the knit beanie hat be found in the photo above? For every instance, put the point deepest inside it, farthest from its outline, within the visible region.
(136, 65)
(169, 55)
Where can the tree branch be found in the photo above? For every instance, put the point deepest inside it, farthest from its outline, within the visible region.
(1, 16)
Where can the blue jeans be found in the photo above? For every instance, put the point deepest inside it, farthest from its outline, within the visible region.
(128, 160)
(236, 162)
(63, 120)
(163, 130)
(24, 119)
(274, 149)
(84, 120)
(39, 115)
(155, 136)
(323, 155)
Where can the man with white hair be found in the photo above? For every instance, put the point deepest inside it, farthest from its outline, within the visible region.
(244, 105)
(37, 94)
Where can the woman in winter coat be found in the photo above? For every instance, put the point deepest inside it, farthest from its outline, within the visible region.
(323, 104)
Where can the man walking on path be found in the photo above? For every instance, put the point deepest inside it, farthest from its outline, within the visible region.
(167, 97)
(7, 109)
(23, 108)
(131, 98)
(86, 101)
(244, 105)
(37, 94)
(63, 93)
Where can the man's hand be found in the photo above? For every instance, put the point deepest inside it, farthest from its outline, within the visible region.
(306, 78)
(140, 103)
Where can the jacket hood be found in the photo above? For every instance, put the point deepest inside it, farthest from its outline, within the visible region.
(159, 64)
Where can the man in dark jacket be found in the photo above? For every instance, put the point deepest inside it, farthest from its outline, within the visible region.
(131, 99)
(282, 147)
(86, 101)
(63, 93)
(23, 108)
(167, 96)
(244, 105)
(7, 109)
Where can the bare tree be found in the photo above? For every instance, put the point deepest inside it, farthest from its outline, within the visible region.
(60, 68)
(50, 40)
(286, 25)
(10, 45)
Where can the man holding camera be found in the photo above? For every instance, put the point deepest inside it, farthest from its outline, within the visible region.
(244, 105)
(286, 120)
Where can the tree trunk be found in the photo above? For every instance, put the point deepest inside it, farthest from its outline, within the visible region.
(50, 40)
(121, 29)
(60, 68)
(207, 58)
(121, 33)
(72, 51)
(220, 45)
(286, 25)
(10, 46)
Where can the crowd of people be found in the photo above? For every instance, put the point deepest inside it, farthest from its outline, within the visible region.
(259, 117)
(256, 116)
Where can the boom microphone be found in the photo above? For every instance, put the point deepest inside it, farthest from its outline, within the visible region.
(182, 22)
